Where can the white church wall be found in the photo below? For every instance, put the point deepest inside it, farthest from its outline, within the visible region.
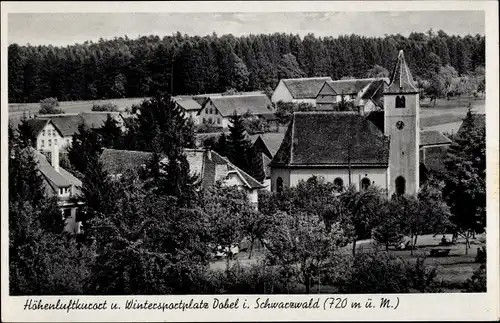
(377, 176)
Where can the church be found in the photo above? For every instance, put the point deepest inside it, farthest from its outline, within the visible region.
(351, 148)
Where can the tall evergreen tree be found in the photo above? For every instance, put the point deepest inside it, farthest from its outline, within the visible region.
(111, 133)
(465, 178)
(85, 149)
(238, 143)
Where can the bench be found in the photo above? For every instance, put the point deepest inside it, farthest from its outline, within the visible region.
(440, 252)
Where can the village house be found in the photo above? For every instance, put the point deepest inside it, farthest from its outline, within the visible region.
(366, 94)
(207, 165)
(299, 90)
(47, 135)
(435, 145)
(348, 148)
(189, 105)
(58, 129)
(62, 184)
(267, 145)
(217, 110)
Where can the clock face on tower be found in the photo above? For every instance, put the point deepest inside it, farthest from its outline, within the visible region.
(400, 125)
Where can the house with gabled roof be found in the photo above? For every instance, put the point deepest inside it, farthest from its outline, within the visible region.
(266, 145)
(58, 129)
(364, 93)
(62, 184)
(299, 90)
(48, 134)
(207, 165)
(352, 148)
(189, 105)
(218, 109)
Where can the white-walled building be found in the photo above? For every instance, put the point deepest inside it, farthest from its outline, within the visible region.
(62, 184)
(366, 93)
(190, 106)
(217, 110)
(47, 135)
(58, 129)
(299, 90)
(347, 147)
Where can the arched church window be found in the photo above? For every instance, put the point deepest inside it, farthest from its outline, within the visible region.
(400, 185)
(339, 184)
(365, 183)
(400, 102)
(279, 184)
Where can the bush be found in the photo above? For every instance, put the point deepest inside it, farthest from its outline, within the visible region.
(205, 128)
(105, 107)
(481, 255)
(254, 279)
(49, 106)
(383, 273)
(477, 283)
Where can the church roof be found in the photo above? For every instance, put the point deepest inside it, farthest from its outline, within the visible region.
(401, 79)
(321, 139)
(271, 140)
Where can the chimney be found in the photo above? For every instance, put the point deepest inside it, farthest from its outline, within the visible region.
(55, 158)
(361, 110)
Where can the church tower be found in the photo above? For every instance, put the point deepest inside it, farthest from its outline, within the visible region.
(401, 124)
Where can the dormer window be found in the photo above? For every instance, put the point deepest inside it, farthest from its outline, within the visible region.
(400, 102)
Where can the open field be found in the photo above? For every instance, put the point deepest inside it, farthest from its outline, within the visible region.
(446, 116)
(16, 110)
(452, 270)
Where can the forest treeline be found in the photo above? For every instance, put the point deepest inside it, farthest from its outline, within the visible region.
(182, 64)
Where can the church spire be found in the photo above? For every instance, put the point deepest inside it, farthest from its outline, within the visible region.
(401, 79)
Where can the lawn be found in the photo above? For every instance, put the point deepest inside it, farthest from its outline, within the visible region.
(452, 270)
(434, 120)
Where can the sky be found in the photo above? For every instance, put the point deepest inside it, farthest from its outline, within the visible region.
(61, 29)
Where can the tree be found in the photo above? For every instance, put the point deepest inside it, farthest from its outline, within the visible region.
(389, 228)
(111, 133)
(413, 222)
(465, 180)
(105, 107)
(382, 272)
(289, 244)
(156, 246)
(42, 259)
(211, 64)
(50, 106)
(220, 146)
(237, 143)
(226, 209)
(288, 67)
(161, 114)
(255, 226)
(27, 138)
(25, 181)
(85, 149)
(377, 71)
(240, 74)
(361, 212)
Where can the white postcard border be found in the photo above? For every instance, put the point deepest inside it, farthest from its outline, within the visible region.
(410, 306)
